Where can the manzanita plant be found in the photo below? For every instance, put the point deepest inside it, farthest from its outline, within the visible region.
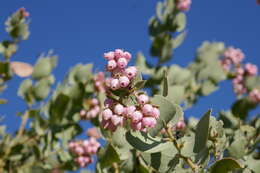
(138, 125)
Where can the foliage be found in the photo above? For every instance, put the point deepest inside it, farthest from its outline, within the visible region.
(227, 142)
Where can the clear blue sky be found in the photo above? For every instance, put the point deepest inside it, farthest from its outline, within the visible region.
(81, 30)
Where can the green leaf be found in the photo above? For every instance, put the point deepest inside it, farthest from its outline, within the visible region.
(145, 143)
(107, 156)
(142, 65)
(176, 93)
(20, 31)
(139, 84)
(208, 87)
(180, 22)
(225, 165)
(253, 164)
(128, 165)
(43, 67)
(178, 75)
(41, 89)
(58, 107)
(178, 40)
(188, 144)
(241, 108)
(83, 73)
(167, 113)
(120, 144)
(24, 87)
(164, 161)
(202, 132)
(237, 149)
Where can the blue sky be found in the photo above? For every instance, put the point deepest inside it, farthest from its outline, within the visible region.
(82, 30)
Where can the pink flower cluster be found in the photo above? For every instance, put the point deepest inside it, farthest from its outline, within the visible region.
(239, 79)
(99, 82)
(84, 150)
(92, 112)
(121, 76)
(232, 56)
(140, 117)
(183, 5)
(254, 95)
(232, 62)
(23, 12)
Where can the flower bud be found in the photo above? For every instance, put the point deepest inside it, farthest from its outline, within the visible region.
(121, 63)
(251, 69)
(180, 125)
(117, 120)
(119, 109)
(131, 72)
(127, 56)
(118, 53)
(115, 84)
(124, 81)
(147, 109)
(111, 64)
(142, 99)
(136, 126)
(149, 122)
(107, 114)
(156, 113)
(109, 55)
(137, 116)
(129, 111)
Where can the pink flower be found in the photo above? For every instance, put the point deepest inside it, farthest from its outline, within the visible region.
(79, 150)
(147, 109)
(107, 114)
(235, 55)
(117, 120)
(254, 96)
(156, 113)
(137, 116)
(109, 55)
(180, 125)
(149, 122)
(111, 64)
(142, 99)
(119, 109)
(127, 56)
(136, 126)
(114, 84)
(129, 111)
(24, 12)
(124, 81)
(119, 53)
(131, 72)
(94, 101)
(239, 88)
(82, 113)
(183, 5)
(251, 69)
(122, 63)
